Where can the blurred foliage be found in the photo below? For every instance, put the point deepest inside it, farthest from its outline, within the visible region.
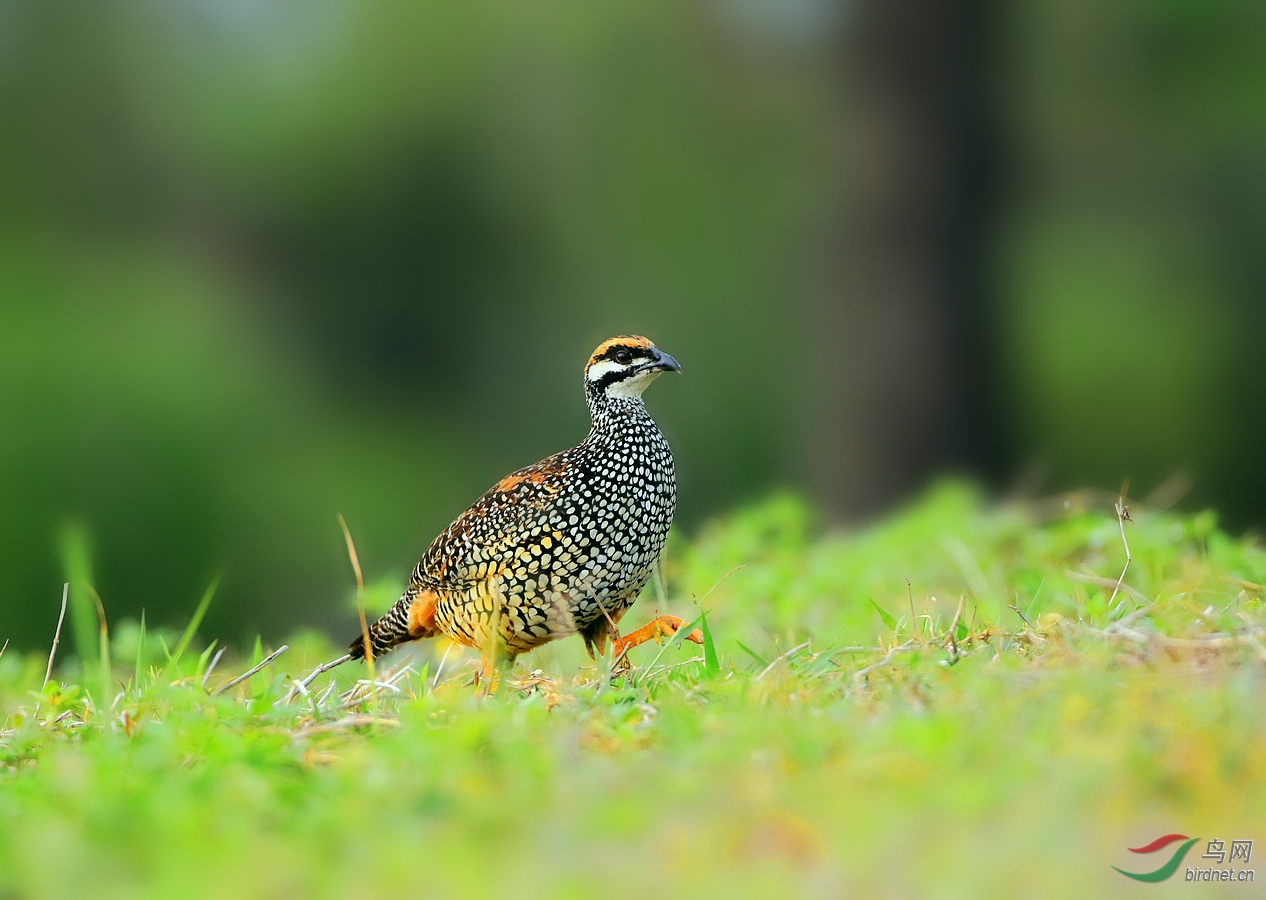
(270, 262)
(1132, 290)
(267, 262)
(881, 757)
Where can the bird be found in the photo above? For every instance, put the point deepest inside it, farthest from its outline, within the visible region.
(558, 548)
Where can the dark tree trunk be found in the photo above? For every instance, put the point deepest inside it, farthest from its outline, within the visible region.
(900, 335)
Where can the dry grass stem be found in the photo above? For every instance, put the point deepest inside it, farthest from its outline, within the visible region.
(215, 661)
(301, 686)
(440, 668)
(57, 635)
(1123, 516)
(783, 658)
(368, 689)
(360, 593)
(344, 723)
(622, 657)
(1127, 620)
(267, 660)
(958, 614)
(862, 673)
(1088, 578)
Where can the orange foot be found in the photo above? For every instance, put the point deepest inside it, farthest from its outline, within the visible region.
(657, 628)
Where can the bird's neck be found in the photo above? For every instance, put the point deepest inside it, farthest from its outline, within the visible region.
(612, 415)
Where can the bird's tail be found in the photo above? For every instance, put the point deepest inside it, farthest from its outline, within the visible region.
(389, 631)
(412, 617)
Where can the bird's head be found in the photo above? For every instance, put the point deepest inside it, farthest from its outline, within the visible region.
(623, 366)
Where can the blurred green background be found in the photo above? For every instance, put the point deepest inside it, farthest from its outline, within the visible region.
(265, 262)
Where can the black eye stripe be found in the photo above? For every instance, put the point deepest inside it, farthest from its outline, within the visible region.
(612, 377)
(631, 353)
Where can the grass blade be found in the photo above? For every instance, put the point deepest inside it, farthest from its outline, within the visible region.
(711, 663)
(257, 658)
(760, 660)
(140, 652)
(77, 562)
(204, 659)
(192, 628)
(103, 649)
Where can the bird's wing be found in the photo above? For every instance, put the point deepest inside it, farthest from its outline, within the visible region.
(485, 539)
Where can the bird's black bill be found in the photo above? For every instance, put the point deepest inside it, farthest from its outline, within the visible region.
(665, 362)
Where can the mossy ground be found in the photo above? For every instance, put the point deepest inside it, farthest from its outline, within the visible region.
(880, 757)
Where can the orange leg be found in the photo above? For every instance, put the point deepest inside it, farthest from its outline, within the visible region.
(657, 628)
(498, 662)
(488, 676)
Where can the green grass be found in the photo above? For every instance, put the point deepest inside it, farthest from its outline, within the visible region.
(879, 757)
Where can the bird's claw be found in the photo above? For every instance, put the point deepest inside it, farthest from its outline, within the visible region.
(656, 629)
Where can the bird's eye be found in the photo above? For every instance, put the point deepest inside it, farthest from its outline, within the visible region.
(624, 357)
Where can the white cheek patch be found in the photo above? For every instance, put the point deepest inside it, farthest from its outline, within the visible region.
(633, 387)
(600, 369)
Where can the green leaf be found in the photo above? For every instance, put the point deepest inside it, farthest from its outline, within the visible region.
(885, 615)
